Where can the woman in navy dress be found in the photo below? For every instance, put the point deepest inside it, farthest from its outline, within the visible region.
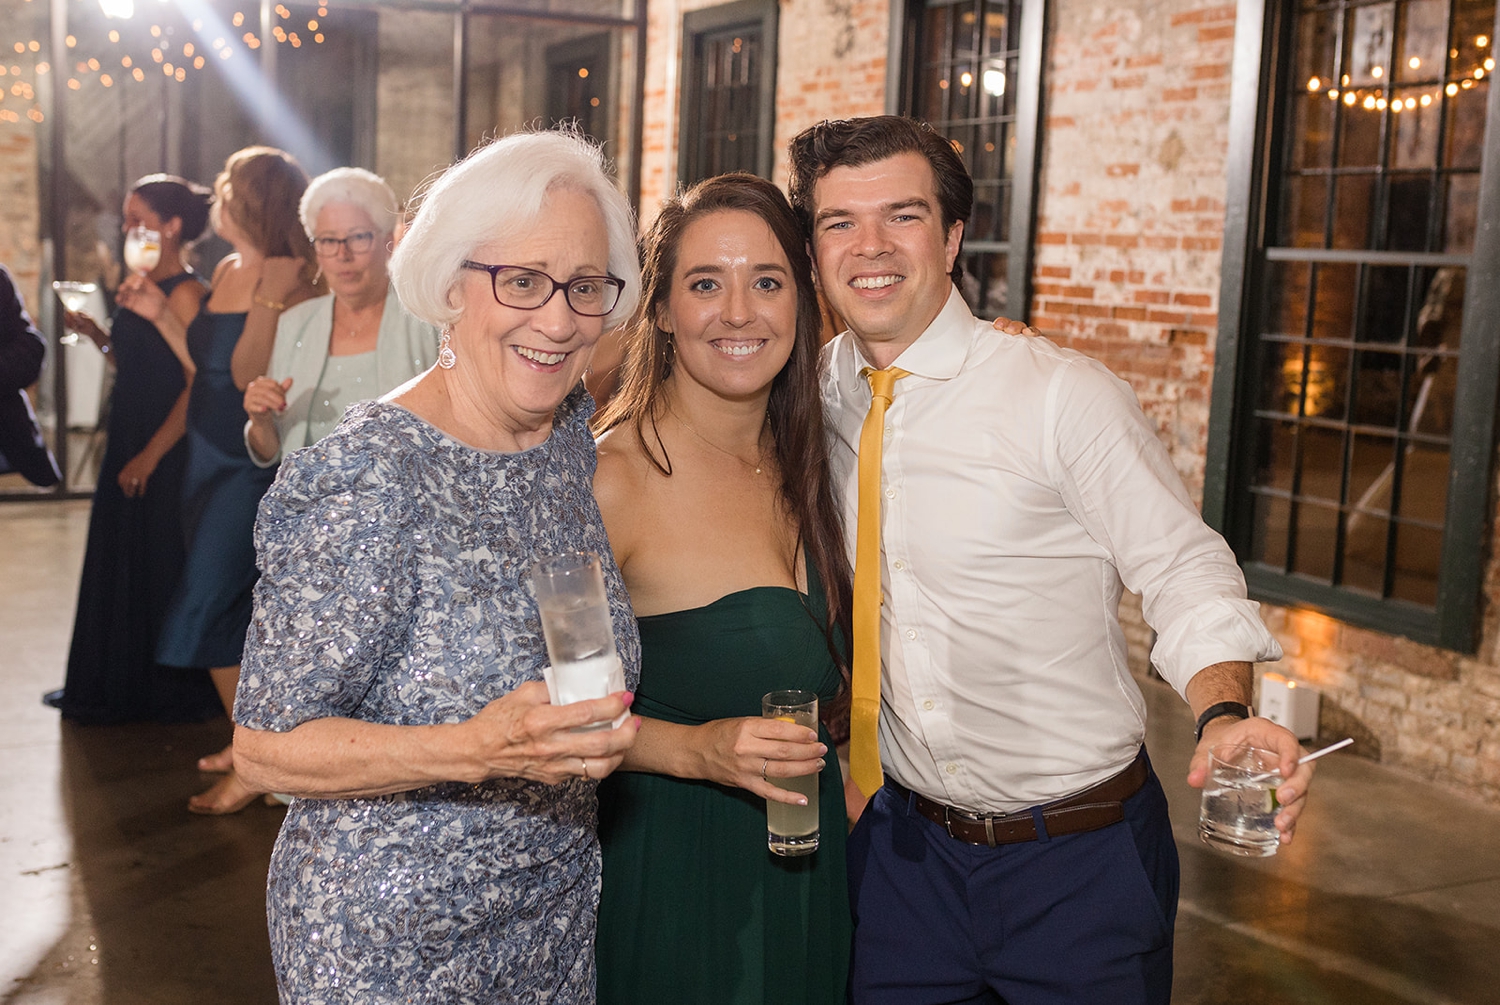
(255, 210)
(135, 546)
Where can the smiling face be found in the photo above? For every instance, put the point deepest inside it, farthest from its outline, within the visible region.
(882, 255)
(732, 306)
(352, 274)
(520, 364)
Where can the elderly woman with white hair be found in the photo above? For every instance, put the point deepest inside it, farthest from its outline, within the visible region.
(441, 846)
(354, 344)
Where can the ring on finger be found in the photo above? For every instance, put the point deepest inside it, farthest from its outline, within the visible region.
(583, 763)
(763, 765)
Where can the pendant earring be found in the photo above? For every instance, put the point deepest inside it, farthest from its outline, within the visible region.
(447, 358)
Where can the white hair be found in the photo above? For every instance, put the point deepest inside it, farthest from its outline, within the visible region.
(355, 186)
(495, 195)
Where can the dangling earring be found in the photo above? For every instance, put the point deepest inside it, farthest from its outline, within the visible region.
(670, 354)
(318, 276)
(447, 358)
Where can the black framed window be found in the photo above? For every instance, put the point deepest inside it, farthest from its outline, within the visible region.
(972, 68)
(1353, 410)
(728, 90)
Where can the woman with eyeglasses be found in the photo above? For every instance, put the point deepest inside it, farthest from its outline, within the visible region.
(441, 844)
(352, 345)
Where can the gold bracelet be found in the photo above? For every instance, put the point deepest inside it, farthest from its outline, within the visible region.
(268, 304)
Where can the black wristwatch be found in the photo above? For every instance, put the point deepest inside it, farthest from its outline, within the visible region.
(1212, 712)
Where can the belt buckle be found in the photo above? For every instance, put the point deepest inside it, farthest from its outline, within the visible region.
(986, 819)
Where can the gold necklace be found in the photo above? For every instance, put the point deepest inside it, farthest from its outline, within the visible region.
(722, 450)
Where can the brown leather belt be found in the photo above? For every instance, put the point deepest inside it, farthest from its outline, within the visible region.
(1095, 807)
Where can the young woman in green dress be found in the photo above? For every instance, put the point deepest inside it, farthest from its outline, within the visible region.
(713, 483)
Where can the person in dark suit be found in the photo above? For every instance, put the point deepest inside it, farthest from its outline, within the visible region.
(22, 350)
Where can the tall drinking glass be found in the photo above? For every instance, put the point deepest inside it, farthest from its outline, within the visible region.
(142, 249)
(793, 830)
(576, 624)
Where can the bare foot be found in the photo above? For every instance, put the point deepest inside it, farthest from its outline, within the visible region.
(218, 763)
(227, 795)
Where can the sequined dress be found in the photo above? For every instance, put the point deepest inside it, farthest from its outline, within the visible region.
(394, 563)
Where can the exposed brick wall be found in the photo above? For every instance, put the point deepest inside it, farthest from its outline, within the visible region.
(831, 58)
(1127, 268)
(1130, 211)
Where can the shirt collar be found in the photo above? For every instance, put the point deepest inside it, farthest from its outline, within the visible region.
(939, 352)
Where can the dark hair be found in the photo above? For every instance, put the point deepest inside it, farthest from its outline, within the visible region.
(171, 197)
(261, 188)
(795, 409)
(856, 142)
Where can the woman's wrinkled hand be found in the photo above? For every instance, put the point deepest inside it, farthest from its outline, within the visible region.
(751, 752)
(265, 398)
(141, 295)
(523, 735)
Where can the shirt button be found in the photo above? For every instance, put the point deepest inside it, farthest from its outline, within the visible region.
(889, 430)
(928, 705)
(951, 768)
(911, 633)
(890, 493)
(898, 565)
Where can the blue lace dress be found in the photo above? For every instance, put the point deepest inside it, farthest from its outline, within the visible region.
(394, 589)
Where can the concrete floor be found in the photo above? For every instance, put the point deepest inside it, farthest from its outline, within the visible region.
(111, 892)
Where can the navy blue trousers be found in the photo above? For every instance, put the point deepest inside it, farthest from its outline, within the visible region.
(1081, 918)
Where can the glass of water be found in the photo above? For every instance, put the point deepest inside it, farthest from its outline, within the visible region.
(793, 830)
(1238, 812)
(579, 632)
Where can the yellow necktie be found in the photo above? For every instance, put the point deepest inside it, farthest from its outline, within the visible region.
(864, 713)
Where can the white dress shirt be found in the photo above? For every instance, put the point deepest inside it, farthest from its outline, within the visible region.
(1021, 486)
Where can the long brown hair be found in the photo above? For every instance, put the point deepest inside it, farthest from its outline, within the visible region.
(795, 409)
(260, 188)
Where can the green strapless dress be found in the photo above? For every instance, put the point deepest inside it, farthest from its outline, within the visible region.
(694, 908)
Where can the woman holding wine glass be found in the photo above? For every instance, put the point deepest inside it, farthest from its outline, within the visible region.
(271, 269)
(135, 548)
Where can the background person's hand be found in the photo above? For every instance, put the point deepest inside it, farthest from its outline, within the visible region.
(265, 398)
(1265, 734)
(1010, 327)
(141, 295)
(84, 324)
(522, 735)
(135, 474)
(735, 751)
(280, 277)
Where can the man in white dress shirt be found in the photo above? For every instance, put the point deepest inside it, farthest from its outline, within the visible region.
(1019, 849)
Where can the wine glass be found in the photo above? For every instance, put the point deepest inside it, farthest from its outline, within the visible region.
(142, 249)
(75, 297)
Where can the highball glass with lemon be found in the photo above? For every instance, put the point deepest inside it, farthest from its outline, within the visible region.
(793, 830)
